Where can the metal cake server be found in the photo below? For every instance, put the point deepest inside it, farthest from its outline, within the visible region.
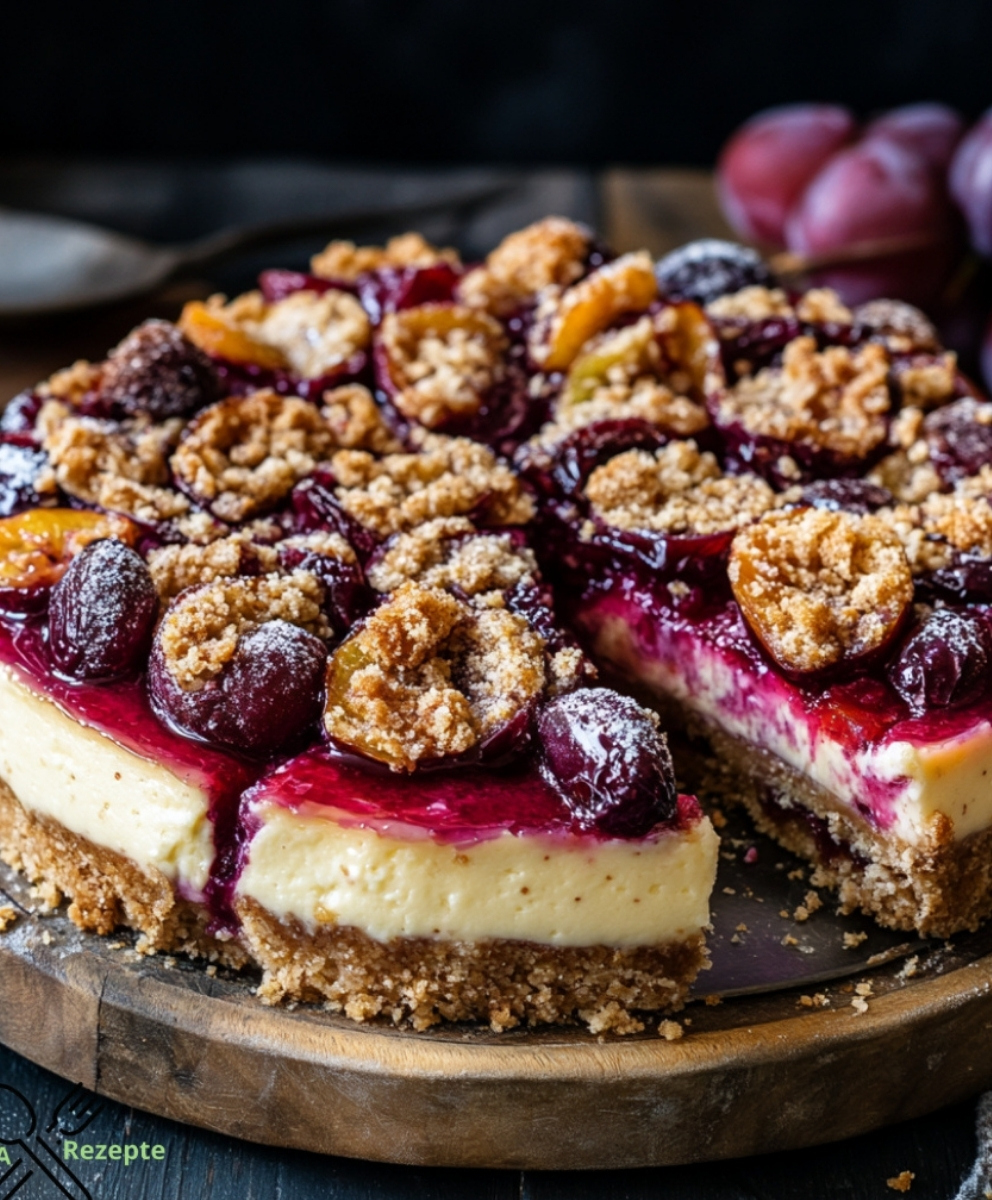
(52, 264)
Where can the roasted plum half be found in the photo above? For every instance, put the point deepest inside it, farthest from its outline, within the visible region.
(101, 613)
(945, 662)
(607, 758)
(821, 591)
(240, 662)
(819, 414)
(37, 546)
(429, 682)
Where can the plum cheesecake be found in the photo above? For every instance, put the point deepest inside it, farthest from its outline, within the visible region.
(303, 599)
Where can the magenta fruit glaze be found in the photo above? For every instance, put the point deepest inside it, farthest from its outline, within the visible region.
(457, 807)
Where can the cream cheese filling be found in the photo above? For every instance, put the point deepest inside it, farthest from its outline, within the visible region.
(911, 784)
(560, 890)
(97, 789)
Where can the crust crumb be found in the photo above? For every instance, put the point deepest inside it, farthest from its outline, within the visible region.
(8, 915)
(901, 1182)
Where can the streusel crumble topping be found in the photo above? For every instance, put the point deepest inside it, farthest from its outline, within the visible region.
(818, 586)
(751, 304)
(356, 420)
(243, 455)
(200, 631)
(942, 523)
(928, 382)
(675, 490)
(450, 552)
(450, 477)
(117, 465)
(346, 261)
(836, 400)
(315, 331)
(442, 359)
(428, 676)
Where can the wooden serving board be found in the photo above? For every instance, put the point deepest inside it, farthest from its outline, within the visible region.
(752, 1074)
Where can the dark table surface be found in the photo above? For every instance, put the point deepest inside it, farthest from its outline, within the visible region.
(180, 201)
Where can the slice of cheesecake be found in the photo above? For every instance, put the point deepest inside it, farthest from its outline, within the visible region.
(467, 895)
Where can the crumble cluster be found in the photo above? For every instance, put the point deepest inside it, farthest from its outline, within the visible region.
(243, 455)
(450, 477)
(175, 568)
(549, 254)
(356, 421)
(121, 466)
(200, 631)
(675, 490)
(442, 359)
(927, 381)
(932, 530)
(309, 332)
(836, 400)
(818, 306)
(346, 261)
(819, 586)
(429, 676)
(449, 552)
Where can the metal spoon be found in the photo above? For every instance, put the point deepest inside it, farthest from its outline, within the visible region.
(54, 265)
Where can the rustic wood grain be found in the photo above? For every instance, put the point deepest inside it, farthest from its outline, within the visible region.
(751, 1075)
(660, 209)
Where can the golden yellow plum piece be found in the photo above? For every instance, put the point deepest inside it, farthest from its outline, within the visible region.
(689, 343)
(209, 329)
(625, 285)
(628, 348)
(343, 723)
(37, 546)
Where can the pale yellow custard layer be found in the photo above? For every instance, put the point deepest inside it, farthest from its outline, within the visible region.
(562, 890)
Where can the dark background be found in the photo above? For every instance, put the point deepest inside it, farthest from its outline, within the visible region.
(439, 81)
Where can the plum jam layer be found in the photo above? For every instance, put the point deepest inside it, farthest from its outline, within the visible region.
(465, 856)
(854, 739)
